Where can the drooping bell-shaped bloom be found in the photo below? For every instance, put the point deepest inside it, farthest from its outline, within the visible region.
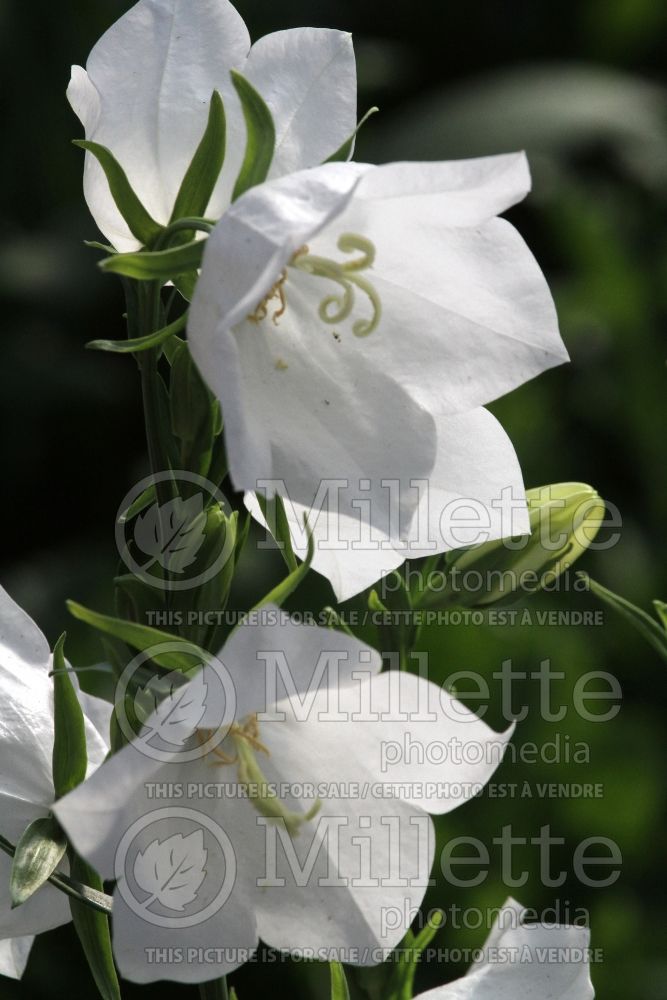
(345, 315)
(26, 784)
(525, 961)
(148, 82)
(302, 825)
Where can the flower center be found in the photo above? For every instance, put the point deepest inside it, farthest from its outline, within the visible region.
(337, 307)
(266, 801)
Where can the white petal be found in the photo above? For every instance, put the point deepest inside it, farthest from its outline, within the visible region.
(401, 730)
(462, 192)
(14, 953)
(527, 975)
(255, 239)
(349, 552)
(26, 718)
(153, 73)
(473, 494)
(466, 312)
(307, 76)
(271, 658)
(300, 408)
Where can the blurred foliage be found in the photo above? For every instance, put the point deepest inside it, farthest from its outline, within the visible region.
(581, 87)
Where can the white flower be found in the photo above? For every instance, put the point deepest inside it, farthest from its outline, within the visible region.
(26, 785)
(337, 772)
(518, 964)
(346, 314)
(473, 494)
(148, 82)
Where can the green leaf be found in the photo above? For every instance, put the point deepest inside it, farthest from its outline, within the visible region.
(282, 591)
(37, 856)
(140, 223)
(162, 265)
(92, 928)
(202, 174)
(344, 152)
(143, 638)
(645, 625)
(408, 957)
(661, 611)
(140, 343)
(339, 989)
(273, 510)
(261, 137)
(70, 754)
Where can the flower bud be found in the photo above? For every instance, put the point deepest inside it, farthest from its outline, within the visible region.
(564, 520)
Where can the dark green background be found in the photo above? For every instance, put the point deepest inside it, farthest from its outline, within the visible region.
(580, 86)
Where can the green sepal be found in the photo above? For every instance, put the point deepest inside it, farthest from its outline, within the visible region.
(156, 265)
(143, 638)
(282, 591)
(339, 988)
(260, 137)
(648, 627)
(273, 510)
(345, 152)
(408, 958)
(37, 856)
(201, 176)
(70, 754)
(140, 343)
(142, 225)
(92, 928)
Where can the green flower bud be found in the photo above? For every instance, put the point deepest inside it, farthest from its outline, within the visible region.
(564, 520)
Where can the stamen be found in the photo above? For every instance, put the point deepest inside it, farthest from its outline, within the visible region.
(277, 291)
(246, 742)
(338, 307)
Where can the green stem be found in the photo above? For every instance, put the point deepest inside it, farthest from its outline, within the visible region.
(215, 989)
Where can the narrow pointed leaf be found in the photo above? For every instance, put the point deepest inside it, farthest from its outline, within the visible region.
(645, 625)
(339, 989)
(273, 510)
(92, 928)
(37, 856)
(70, 754)
(260, 137)
(202, 174)
(143, 638)
(157, 265)
(282, 591)
(140, 343)
(661, 611)
(345, 152)
(409, 956)
(142, 225)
